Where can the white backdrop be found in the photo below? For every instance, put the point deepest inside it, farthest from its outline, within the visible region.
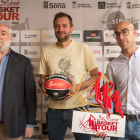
(94, 21)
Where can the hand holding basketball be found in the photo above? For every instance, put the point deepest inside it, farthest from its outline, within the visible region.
(72, 91)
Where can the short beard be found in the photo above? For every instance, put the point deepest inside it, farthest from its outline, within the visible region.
(5, 46)
(62, 39)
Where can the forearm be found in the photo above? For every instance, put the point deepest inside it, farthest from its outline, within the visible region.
(91, 80)
(88, 82)
(42, 80)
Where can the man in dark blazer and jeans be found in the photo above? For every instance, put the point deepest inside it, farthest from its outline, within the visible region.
(17, 91)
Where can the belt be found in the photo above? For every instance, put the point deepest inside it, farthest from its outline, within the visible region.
(131, 117)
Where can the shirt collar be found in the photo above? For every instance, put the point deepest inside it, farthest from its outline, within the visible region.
(136, 54)
(122, 56)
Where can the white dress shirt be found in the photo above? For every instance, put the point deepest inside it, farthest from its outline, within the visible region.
(125, 74)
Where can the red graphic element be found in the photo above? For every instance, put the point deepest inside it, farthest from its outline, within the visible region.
(57, 84)
(106, 34)
(93, 34)
(90, 123)
(106, 99)
(97, 91)
(116, 99)
(96, 52)
(7, 12)
(8, 3)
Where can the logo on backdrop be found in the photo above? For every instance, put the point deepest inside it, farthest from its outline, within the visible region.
(111, 51)
(47, 5)
(74, 4)
(93, 36)
(48, 36)
(138, 34)
(9, 3)
(137, 38)
(7, 12)
(104, 5)
(101, 5)
(14, 34)
(128, 5)
(30, 51)
(108, 36)
(132, 6)
(30, 36)
(113, 18)
(96, 51)
(45, 36)
(77, 36)
(81, 5)
(108, 33)
(26, 52)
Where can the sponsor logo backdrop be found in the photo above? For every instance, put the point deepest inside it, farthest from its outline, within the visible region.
(94, 21)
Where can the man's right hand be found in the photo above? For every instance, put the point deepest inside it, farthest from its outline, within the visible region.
(101, 135)
(42, 84)
(44, 91)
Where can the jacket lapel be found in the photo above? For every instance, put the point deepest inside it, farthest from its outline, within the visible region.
(10, 66)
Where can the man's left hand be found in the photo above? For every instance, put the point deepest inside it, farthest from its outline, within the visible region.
(29, 132)
(76, 86)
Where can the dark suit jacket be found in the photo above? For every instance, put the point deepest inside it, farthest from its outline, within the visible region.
(19, 95)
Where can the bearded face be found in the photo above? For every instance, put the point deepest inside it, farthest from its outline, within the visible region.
(63, 29)
(5, 38)
(4, 45)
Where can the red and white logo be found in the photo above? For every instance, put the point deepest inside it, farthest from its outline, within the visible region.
(9, 3)
(57, 84)
(93, 34)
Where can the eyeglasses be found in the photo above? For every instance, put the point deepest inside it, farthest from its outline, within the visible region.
(124, 32)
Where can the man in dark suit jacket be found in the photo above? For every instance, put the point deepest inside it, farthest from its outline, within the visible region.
(17, 91)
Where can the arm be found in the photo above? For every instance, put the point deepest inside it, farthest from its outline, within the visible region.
(91, 66)
(91, 80)
(30, 99)
(43, 71)
(87, 83)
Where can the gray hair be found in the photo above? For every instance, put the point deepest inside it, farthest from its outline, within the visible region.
(10, 30)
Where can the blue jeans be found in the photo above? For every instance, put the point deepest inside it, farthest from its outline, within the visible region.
(57, 121)
(132, 131)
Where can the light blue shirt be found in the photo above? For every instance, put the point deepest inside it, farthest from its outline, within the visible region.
(3, 66)
(125, 74)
